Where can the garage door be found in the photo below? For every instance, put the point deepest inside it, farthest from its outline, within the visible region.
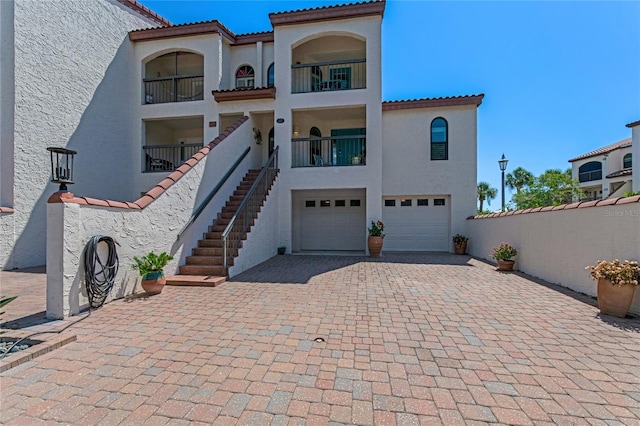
(416, 223)
(330, 221)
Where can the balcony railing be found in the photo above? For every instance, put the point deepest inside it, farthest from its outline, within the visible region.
(167, 158)
(329, 76)
(589, 176)
(173, 89)
(333, 151)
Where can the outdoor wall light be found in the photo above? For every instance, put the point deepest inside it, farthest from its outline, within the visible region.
(296, 131)
(61, 166)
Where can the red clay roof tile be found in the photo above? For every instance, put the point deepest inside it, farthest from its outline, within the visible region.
(628, 200)
(604, 150)
(433, 102)
(144, 11)
(327, 13)
(6, 210)
(634, 124)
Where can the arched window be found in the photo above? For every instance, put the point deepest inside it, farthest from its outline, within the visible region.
(271, 78)
(245, 77)
(626, 161)
(439, 139)
(590, 171)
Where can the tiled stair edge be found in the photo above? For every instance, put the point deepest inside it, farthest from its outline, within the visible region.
(156, 191)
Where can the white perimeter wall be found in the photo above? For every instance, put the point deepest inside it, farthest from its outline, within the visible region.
(635, 159)
(407, 168)
(557, 245)
(71, 58)
(71, 226)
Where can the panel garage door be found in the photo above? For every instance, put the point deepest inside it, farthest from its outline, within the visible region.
(417, 223)
(335, 222)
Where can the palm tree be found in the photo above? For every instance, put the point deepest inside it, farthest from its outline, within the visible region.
(519, 179)
(486, 192)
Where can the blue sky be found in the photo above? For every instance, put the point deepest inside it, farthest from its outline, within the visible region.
(560, 78)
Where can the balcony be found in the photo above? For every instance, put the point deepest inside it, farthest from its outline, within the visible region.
(167, 158)
(332, 151)
(173, 89)
(329, 76)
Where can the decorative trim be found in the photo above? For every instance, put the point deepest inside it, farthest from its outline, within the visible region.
(433, 102)
(244, 94)
(328, 13)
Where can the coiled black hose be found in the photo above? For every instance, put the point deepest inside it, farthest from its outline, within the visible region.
(99, 277)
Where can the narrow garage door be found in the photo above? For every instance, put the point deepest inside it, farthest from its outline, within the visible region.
(416, 223)
(330, 221)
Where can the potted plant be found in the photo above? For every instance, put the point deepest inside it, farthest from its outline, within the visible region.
(460, 243)
(151, 270)
(282, 250)
(376, 238)
(616, 284)
(354, 159)
(504, 255)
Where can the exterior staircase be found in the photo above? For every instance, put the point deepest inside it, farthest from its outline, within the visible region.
(205, 265)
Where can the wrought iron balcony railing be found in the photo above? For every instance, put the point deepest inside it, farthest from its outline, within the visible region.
(333, 151)
(173, 89)
(167, 158)
(329, 76)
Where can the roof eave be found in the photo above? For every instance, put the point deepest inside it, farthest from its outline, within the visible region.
(330, 13)
(475, 100)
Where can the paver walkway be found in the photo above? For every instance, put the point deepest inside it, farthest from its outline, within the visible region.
(409, 339)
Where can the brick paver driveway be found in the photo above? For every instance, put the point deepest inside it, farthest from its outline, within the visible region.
(409, 339)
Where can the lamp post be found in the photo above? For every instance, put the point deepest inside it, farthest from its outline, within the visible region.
(61, 166)
(503, 166)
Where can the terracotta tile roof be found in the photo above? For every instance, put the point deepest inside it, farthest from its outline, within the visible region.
(156, 191)
(328, 13)
(244, 93)
(6, 210)
(623, 172)
(578, 205)
(182, 30)
(250, 38)
(144, 11)
(433, 102)
(604, 150)
(634, 124)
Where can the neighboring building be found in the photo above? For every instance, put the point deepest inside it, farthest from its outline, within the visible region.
(635, 152)
(311, 87)
(606, 172)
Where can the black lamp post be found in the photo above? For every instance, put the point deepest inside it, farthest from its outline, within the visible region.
(61, 166)
(503, 166)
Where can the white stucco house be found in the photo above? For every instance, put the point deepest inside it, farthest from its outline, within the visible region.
(136, 97)
(606, 172)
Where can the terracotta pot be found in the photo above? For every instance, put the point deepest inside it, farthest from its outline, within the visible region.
(614, 299)
(505, 265)
(153, 283)
(375, 246)
(460, 248)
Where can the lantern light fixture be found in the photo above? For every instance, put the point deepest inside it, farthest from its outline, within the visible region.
(62, 166)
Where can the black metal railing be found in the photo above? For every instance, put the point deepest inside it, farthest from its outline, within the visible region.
(167, 158)
(213, 192)
(329, 76)
(243, 219)
(173, 89)
(589, 176)
(333, 151)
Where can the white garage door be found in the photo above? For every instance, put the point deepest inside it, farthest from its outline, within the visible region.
(416, 223)
(330, 221)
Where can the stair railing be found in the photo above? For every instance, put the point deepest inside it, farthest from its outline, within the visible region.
(213, 192)
(247, 212)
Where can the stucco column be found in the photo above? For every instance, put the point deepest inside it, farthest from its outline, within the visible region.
(63, 240)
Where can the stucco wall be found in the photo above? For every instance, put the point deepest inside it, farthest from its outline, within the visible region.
(138, 231)
(6, 243)
(557, 245)
(635, 151)
(407, 168)
(6, 106)
(70, 59)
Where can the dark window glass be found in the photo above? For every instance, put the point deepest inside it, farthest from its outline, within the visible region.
(340, 203)
(310, 203)
(270, 76)
(325, 203)
(626, 161)
(389, 203)
(439, 139)
(438, 202)
(423, 201)
(405, 202)
(354, 203)
(590, 171)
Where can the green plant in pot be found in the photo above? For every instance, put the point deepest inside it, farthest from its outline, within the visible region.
(151, 270)
(460, 243)
(504, 255)
(616, 284)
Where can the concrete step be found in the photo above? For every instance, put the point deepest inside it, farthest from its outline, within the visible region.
(196, 280)
(205, 260)
(201, 270)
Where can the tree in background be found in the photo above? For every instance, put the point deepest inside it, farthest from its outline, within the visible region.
(552, 188)
(519, 179)
(486, 192)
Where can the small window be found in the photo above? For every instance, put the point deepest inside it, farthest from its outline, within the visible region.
(439, 139)
(245, 77)
(438, 202)
(626, 161)
(405, 202)
(340, 203)
(354, 203)
(389, 203)
(310, 203)
(325, 203)
(423, 201)
(271, 76)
